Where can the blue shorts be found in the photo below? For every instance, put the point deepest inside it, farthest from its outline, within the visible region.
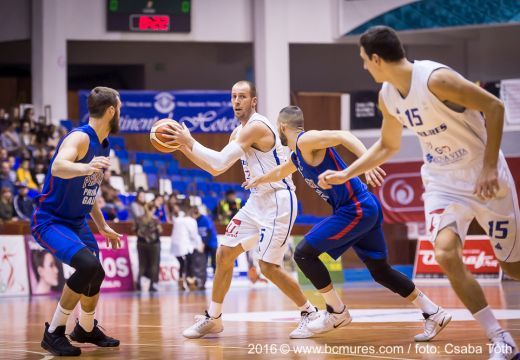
(357, 225)
(64, 240)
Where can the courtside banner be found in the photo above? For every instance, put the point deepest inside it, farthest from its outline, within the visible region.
(13, 266)
(200, 111)
(477, 255)
(117, 266)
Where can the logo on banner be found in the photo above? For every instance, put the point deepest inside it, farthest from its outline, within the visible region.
(402, 192)
(477, 255)
(164, 102)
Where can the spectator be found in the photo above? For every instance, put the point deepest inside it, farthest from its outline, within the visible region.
(26, 136)
(6, 204)
(38, 172)
(12, 164)
(137, 207)
(5, 177)
(170, 205)
(23, 204)
(10, 139)
(109, 212)
(28, 116)
(160, 212)
(23, 175)
(148, 230)
(208, 233)
(4, 156)
(228, 207)
(14, 115)
(185, 238)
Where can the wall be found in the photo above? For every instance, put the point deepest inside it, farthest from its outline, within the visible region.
(15, 20)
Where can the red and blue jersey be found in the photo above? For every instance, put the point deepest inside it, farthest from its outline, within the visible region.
(70, 200)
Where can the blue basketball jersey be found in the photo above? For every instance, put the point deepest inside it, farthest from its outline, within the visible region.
(70, 200)
(338, 195)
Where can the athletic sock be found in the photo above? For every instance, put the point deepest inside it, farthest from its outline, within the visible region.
(86, 320)
(215, 309)
(60, 318)
(332, 299)
(487, 320)
(308, 307)
(425, 304)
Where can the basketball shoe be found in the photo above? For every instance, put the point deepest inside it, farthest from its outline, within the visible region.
(503, 347)
(57, 343)
(96, 336)
(302, 331)
(204, 324)
(433, 324)
(329, 320)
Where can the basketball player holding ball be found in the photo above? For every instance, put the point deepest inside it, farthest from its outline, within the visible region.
(465, 174)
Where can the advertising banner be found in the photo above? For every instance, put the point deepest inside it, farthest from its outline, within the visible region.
(117, 266)
(13, 266)
(200, 111)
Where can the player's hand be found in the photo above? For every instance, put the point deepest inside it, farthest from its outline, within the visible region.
(331, 177)
(97, 164)
(179, 135)
(251, 183)
(487, 183)
(375, 177)
(113, 238)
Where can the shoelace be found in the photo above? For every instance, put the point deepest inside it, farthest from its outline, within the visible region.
(429, 325)
(303, 321)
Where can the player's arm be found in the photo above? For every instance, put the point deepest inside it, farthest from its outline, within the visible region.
(388, 144)
(316, 139)
(276, 174)
(73, 148)
(449, 86)
(106, 231)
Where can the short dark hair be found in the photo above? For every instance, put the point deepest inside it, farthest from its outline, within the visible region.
(252, 87)
(383, 41)
(100, 99)
(293, 116)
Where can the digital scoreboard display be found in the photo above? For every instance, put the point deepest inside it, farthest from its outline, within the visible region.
(149, 15)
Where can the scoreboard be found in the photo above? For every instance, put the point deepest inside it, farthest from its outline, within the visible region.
(149, 15)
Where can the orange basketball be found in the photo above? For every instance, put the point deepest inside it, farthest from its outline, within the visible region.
(157, 132)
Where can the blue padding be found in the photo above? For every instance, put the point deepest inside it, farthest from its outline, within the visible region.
(363, 275)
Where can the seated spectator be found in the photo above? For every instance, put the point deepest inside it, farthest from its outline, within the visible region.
(23, 205)
(5, 177)
(137, 207)
(13, 165)
(38, 172)
(28, 116)
(27, 137)
(6, 205)
(4, 156)
(160, 211)
(23, 175)
(228, 207)
(10, 139)
(56, 136)
(109, 212)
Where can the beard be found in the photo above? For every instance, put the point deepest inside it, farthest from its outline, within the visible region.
(114, 124)
(283, 139)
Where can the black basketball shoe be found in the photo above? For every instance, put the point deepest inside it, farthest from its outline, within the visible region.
(96, 336)
(57, 344)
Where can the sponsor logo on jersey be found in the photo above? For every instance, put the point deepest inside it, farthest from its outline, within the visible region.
(316, 188)
(89, 193)
(444, 156)
(437, 130)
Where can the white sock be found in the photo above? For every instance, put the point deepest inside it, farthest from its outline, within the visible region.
(86, 320)
(60, 318)
(488, 321)
(215, 309)
(425, 304)
(307, 307)
(332, 299)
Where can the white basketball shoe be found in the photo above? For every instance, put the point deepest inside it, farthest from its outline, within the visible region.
(433, 324)
(204, 324)
(302, 331)
(328, 320)
(503, 347)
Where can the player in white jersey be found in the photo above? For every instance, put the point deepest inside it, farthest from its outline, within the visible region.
(464, 173)
(266, 220)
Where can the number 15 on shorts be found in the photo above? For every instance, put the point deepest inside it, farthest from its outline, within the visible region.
(498, 229)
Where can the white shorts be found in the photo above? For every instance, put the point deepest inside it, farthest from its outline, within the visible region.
(449, 202)
(264, 223)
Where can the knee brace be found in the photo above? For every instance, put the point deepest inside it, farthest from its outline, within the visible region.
(306, 256)
(89, 273)
(390, 278)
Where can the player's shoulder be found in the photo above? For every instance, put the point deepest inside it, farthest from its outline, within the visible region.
(77, 137)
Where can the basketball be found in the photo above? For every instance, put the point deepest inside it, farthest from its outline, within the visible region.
(157, 133)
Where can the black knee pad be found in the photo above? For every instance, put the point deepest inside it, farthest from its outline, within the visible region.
(306, 256)
(88, 268)
(95, 283)
(390, 278)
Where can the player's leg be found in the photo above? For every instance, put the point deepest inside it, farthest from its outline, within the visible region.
(65, 244)
(273, 245)
(87, 329)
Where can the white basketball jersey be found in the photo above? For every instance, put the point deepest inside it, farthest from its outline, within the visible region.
(257, 163)
(449, 139)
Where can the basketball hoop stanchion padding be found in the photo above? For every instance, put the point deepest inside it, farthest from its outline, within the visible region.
(477, 255)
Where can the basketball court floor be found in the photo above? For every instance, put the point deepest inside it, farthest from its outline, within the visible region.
(257, 322)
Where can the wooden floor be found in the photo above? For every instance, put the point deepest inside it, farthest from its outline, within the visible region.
(257, 322)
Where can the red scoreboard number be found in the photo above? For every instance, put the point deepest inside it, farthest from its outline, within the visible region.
(149, 22)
